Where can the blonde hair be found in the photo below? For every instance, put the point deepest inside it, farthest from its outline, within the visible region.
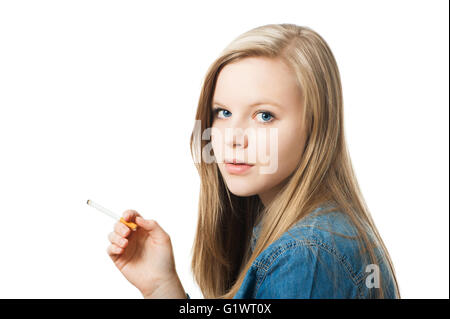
(221, 256)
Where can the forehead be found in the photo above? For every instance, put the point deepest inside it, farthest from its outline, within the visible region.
(257, 79)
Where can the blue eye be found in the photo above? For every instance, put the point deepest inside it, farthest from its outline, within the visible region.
(266, 115)
(217, 111)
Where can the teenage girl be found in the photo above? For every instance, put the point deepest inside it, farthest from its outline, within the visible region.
(280, 214)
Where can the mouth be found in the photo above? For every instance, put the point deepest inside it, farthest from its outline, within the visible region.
(237, 168)
(237, 162)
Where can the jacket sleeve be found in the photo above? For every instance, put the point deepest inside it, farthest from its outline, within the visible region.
(303, 272)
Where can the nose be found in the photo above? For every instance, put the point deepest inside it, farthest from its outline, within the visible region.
(236, 137)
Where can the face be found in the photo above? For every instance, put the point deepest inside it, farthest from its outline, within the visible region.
(257, 109)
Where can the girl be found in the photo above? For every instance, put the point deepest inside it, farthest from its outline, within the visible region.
(288, 224)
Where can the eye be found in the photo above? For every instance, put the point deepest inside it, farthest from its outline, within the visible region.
(216, 111)
(266, 117)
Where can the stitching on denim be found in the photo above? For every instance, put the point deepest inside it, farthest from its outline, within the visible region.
(280, 251)
(264, 265)
(356, 277)
(323, 245)
(283, 248)
(360, 292)
(258, 264)
(359, 277)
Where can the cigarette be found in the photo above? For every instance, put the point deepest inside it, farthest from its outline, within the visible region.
(91, 203)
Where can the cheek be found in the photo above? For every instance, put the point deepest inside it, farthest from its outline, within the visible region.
(290, 146)
(281, 149)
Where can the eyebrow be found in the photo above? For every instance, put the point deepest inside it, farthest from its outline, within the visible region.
(253, 104)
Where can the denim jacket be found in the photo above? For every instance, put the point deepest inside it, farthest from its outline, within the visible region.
(310, 262)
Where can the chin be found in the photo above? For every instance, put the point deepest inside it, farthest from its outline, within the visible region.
(241, 189)
(243, 194)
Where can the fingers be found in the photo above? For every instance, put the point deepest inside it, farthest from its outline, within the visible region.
(114, 250)
(118, 236)
(118, 243)
(121, 229)
(130, 215)
(117, 240)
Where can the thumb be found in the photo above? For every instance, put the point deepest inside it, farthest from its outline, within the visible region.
(152, 226)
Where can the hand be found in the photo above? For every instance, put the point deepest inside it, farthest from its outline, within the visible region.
(145, 257)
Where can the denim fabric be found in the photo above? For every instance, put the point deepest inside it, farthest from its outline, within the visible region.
(309, 262)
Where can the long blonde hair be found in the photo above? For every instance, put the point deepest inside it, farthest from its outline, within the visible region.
(221, 256)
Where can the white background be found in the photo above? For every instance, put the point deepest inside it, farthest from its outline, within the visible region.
(98, 98)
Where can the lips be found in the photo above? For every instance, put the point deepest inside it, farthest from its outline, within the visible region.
(237, 162)
(238, 169)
